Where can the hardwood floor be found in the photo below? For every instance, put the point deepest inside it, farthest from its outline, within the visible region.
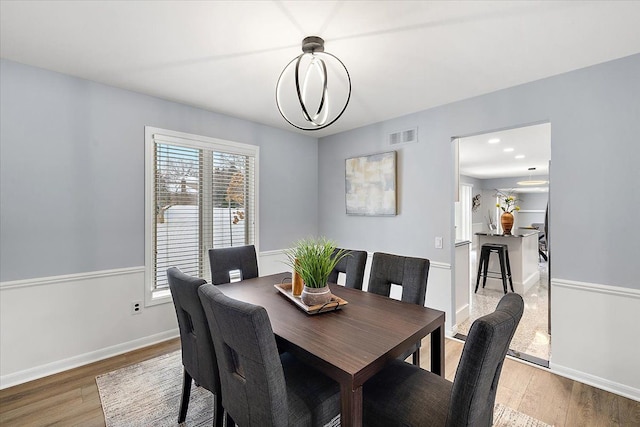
(71, 398)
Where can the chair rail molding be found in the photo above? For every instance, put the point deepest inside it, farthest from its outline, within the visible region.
(66, 278)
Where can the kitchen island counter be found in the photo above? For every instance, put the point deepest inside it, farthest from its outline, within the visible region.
(523, 254)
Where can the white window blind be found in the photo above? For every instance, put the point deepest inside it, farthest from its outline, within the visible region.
(202, 196)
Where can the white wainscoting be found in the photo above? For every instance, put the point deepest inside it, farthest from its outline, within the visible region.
(439, 288)
(52, 324)
(595, 330)
(272, 262)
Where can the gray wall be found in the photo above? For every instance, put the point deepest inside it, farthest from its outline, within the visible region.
(595, 153)
(72, 173)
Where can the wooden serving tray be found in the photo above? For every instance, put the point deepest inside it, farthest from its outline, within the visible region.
(336, 302)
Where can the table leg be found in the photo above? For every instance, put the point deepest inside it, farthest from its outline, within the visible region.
(350, 406)
(437, 351)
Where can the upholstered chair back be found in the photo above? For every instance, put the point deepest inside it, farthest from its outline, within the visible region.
(352, 266)
(224, 260)
(410, 273)
(476, 382)
(198, 355)
(253, 382)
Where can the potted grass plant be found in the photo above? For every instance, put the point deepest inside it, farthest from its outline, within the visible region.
(313, 259)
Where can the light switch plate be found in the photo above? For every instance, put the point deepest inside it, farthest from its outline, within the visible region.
(438, 242)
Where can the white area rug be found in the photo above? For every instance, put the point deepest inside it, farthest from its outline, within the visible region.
(148, 394)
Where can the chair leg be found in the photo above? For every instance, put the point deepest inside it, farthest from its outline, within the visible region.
(509, 269)
(186, 393)
(416, 357)
(479, 271)
(486, 268)
(503, 272)
(218, 419)
(543, 255)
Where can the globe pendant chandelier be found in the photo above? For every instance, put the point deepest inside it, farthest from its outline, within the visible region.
(314, 89)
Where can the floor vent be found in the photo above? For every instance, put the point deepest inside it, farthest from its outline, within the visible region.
(403, 136)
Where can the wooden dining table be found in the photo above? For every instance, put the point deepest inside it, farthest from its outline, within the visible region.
(349, 345)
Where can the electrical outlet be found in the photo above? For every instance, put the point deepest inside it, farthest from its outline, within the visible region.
(438, 242)
(136, 307)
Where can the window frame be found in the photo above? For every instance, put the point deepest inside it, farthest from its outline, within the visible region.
(153, 296)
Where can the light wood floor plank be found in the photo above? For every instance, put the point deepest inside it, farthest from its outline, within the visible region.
(547, 396)
(513, 383)
(592, 407)
(629, 412)
(514, 380)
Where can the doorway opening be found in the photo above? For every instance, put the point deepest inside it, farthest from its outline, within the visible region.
(514, 162)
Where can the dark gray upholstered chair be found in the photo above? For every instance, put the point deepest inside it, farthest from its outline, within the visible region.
(410, 273)
(198, 355)
(406, 395)
(352, 266)
(259, 386)
(224, 260)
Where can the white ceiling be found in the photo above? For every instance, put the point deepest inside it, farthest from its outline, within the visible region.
(509, 154)
(403, 56)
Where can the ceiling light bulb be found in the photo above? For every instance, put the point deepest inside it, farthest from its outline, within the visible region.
(494, 141)
(532, 182)
(520, 156)
(508, 150)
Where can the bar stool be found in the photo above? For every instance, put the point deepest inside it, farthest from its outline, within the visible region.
(505, 266)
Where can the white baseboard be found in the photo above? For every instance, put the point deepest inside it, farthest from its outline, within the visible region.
(592, 380)
(462, 314)
(529, 282)
(452, 333)
(83, 359)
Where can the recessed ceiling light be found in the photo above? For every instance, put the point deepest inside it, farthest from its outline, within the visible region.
(508, 150)
(520, 156)
(494, 141)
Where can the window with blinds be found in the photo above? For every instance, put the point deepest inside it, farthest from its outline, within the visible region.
(201, 195)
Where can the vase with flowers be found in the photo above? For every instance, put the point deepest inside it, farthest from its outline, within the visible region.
(506, 202)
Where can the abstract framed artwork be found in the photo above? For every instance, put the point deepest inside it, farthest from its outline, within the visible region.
(370, 184)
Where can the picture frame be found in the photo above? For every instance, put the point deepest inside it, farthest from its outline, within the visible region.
(370, 185)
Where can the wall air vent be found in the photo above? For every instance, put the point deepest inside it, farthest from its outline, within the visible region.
(404, 136)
